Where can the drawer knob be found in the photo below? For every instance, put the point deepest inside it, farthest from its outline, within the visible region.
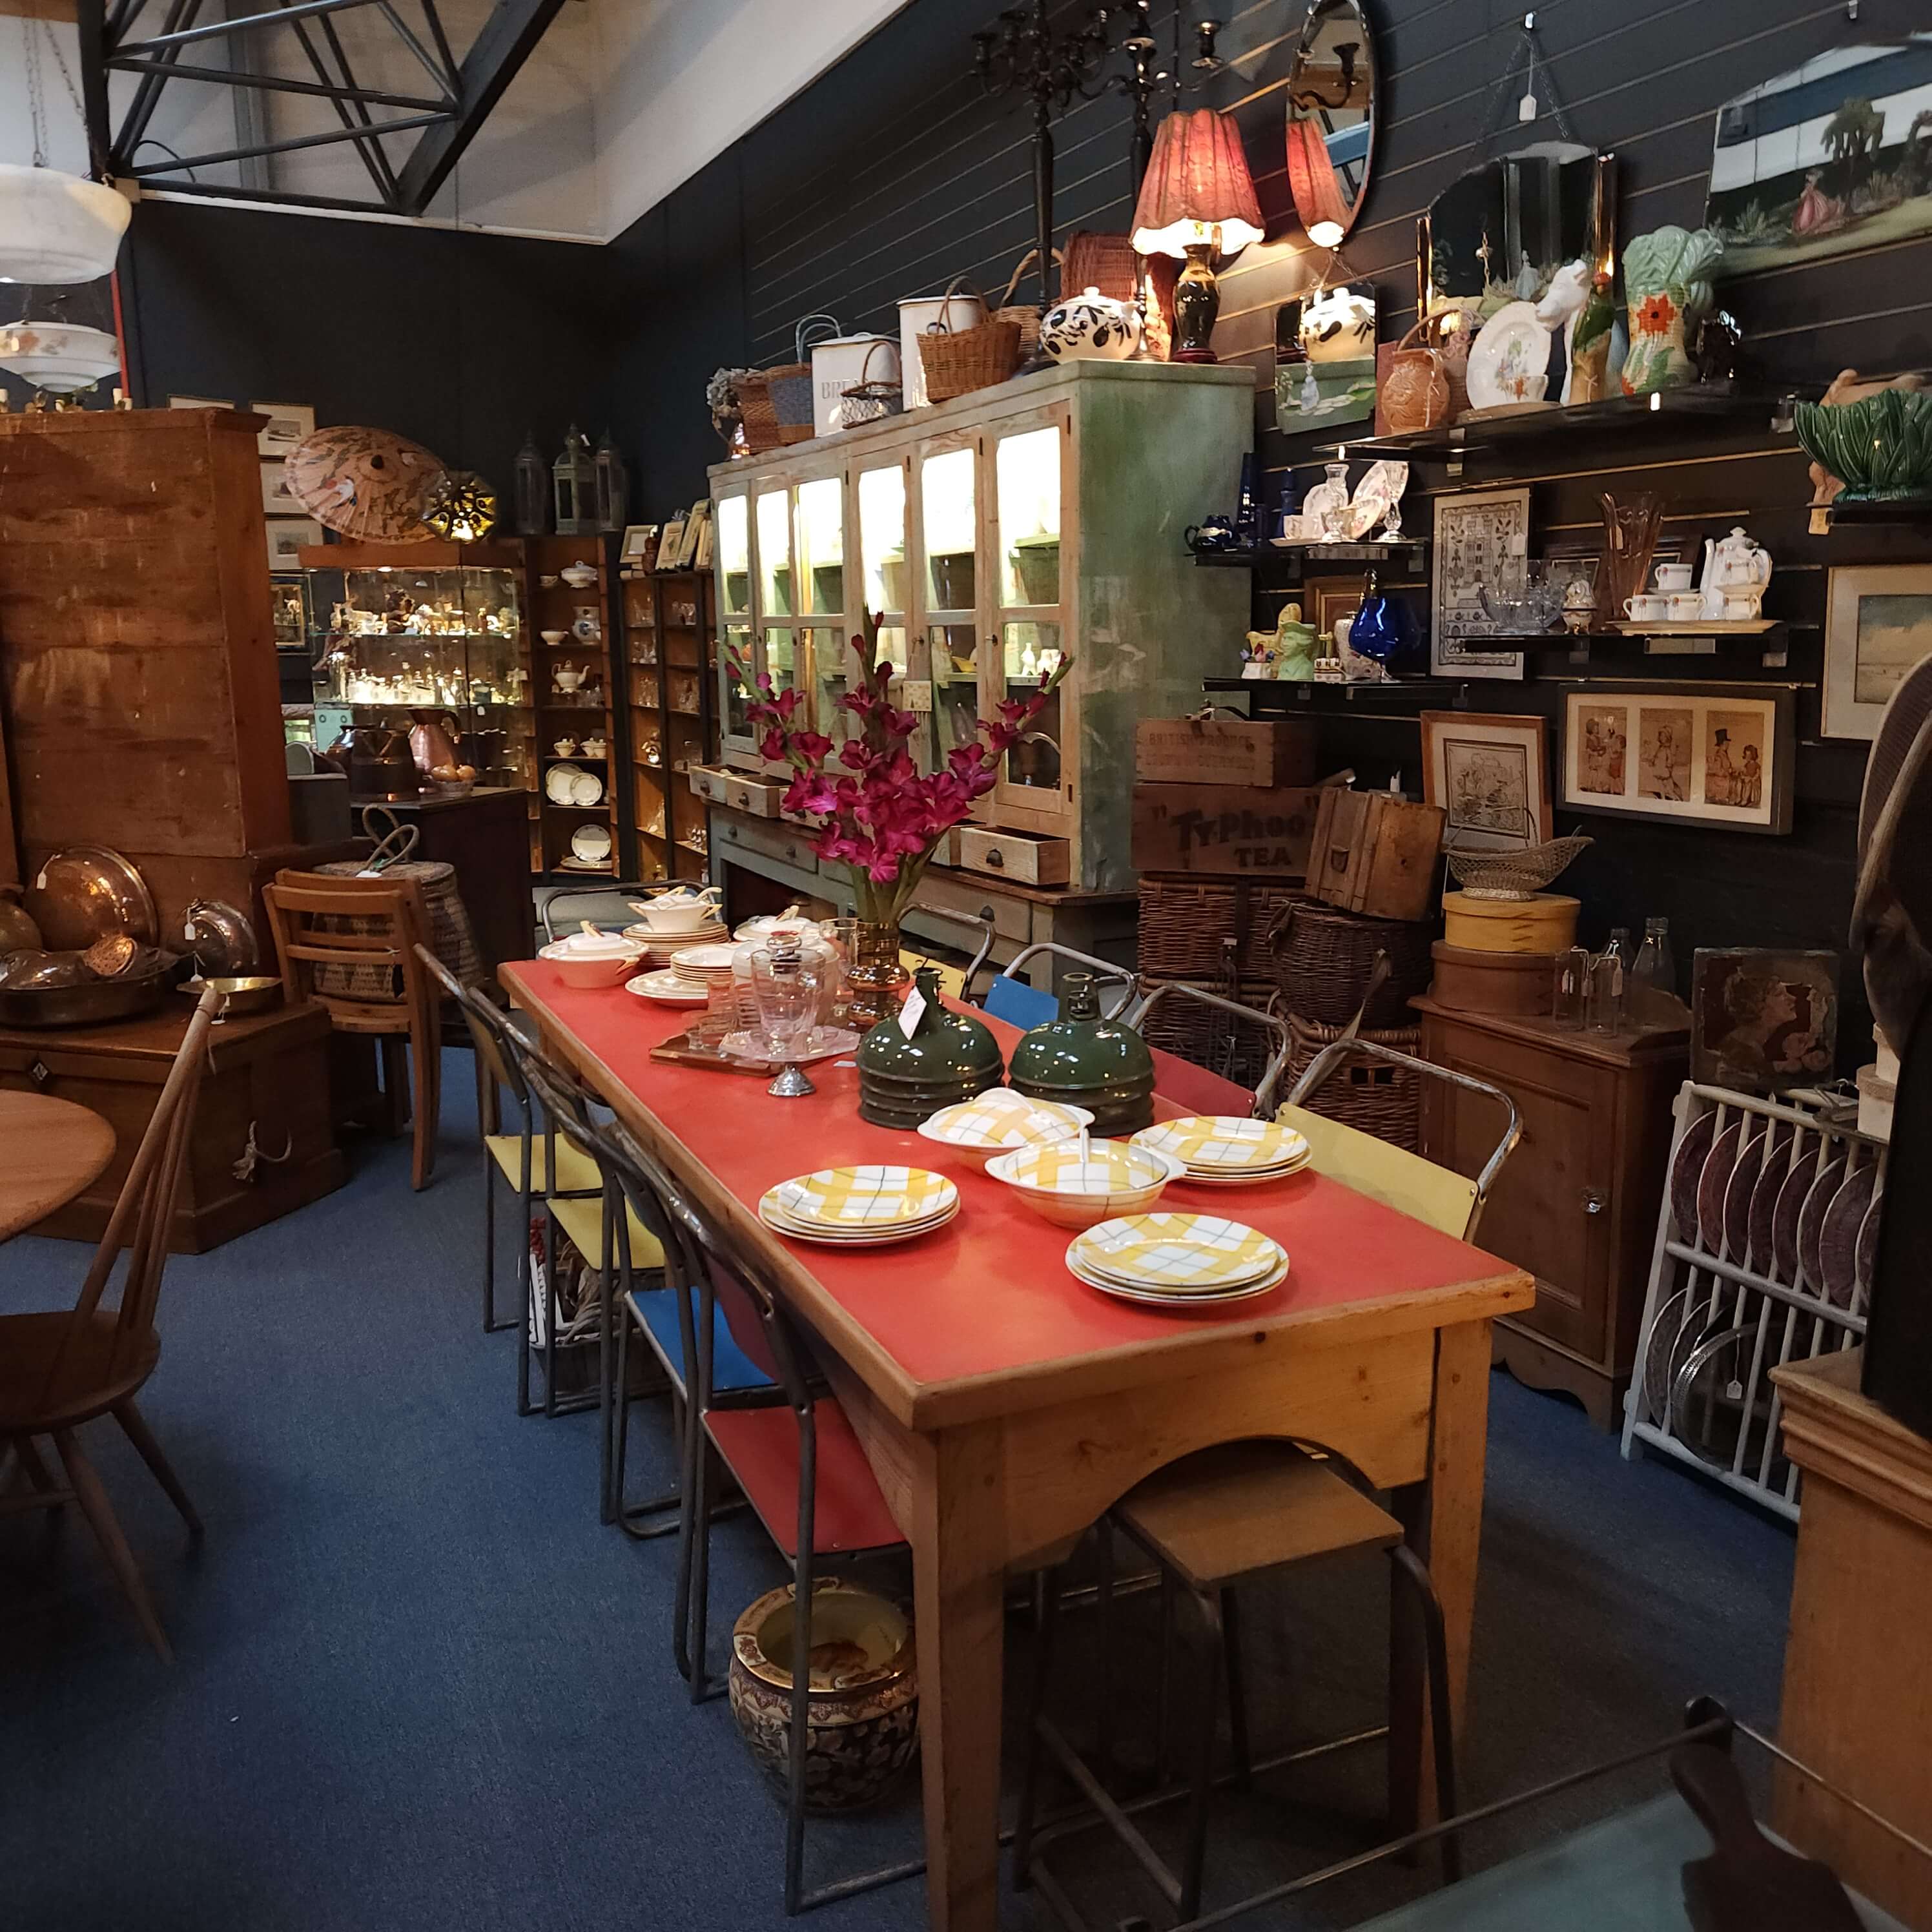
(995, 858)
(1594, 1201)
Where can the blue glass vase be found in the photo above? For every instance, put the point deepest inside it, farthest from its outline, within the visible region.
(1383, 629)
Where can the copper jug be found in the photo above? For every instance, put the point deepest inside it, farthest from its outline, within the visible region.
(432, 742)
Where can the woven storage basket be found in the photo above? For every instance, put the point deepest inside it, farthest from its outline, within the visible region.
(958, 362)
(866, 400)
(757, 412)
(1234, 1048)
(1362, 1092)
(1323, 959)
(1023, 314)
(1188, 925)
(450, 937)
(791, 382)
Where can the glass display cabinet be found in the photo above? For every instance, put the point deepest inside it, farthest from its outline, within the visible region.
(993, 533)
(435, 629)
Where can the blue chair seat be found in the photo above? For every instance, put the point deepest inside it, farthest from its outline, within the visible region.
(655, 1312)
(1020, 1005)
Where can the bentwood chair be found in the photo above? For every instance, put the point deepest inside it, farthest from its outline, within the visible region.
(58, 1371)
(351, 945)
(1231, 1515)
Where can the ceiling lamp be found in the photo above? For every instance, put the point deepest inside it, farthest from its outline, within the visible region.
(459, 505)
(55, 227)
(62, 358)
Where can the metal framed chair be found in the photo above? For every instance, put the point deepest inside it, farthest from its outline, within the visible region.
(1230, 1516)
(615, 901)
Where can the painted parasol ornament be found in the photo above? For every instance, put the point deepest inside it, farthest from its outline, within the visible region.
(363, 483)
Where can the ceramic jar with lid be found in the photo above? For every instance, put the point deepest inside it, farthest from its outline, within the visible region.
(948, 1056)
(1090, 327)
(1082, 1061)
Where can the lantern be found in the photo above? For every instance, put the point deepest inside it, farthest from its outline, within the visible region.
(611, 485)
(460, 505)
(532, 489)
(574, 482)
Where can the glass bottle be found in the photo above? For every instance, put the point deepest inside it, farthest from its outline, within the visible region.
(1608, 975)
(1653, 987)
(1570, 992)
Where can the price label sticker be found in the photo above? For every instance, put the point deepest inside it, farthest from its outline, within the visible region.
(912, 1012)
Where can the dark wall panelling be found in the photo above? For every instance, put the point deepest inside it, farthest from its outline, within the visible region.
(460, 340)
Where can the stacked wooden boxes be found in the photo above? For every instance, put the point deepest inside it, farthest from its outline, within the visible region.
(1224, 812)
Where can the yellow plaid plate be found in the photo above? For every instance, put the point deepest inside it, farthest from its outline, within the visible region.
(1001, 1118)
(1111, 1167)
(878, 1238)
(1157, 1298)
(1225, 1143)
(1180, 1254)
(1197, 1176)
(863, 1197)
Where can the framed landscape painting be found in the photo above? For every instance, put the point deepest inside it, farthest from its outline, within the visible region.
(1716, 755)
(1878, 625)
(1491, 775)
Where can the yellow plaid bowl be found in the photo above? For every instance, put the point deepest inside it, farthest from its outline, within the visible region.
(1115, 1178)
(990, 1123)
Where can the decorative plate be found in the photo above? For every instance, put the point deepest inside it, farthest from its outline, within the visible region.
(1711, 1185)
(1811, 1223)
(878, 1237)
(1866, 1258)
(1838, 1235)
(862, 1197)
(1774, 1169)
(1686, 1165)
(1798, 1181)
(1509, 362)
(1224, 1143)
(1738, 1193)
(673, 989)
(591, 843)
(1155, 1297)
(1374, 494)
(1190, 1254)
(558, 781)
(586, 789)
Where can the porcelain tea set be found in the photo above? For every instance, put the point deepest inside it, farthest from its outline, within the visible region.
(1731, 590)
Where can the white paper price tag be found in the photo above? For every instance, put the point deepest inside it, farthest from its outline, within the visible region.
(912, 1012)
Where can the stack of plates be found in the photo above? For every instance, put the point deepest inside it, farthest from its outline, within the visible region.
(1226, 1150)
(688, 980)
(860, 1207)
(708, 965)
(1177, 1260)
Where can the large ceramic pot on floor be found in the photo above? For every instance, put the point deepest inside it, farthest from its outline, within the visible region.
(862, 1728)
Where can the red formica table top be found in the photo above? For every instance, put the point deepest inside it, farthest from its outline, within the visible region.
(989, 1296)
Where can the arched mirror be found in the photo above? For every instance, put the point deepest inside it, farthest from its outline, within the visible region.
(1331, 119)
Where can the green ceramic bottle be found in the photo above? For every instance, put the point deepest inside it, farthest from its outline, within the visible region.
(950, 1057)
(1082, 1061)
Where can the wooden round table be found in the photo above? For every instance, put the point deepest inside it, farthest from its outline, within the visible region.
(54, 1149)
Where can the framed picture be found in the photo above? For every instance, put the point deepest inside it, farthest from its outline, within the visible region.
(1477, 532)
(276, 498)
(640, 543)
(1676, 754)
(1761, 1019)
(1878, 624)
(671, 545)
(199, 403)
(1491, 774)
(288, 423)
(1326, 600)
(286, 536)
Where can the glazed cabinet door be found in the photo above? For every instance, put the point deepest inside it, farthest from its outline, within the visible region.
(736, 740)
(1553, 1206)
(821, 537)
(1028, 471)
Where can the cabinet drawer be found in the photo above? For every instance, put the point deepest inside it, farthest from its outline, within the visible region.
(759, 797)
(730, 829)
(1011, 917)
(1026, 857)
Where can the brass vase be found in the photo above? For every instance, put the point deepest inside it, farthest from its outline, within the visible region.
(876, 981)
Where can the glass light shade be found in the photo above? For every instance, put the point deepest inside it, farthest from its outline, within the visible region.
(1197, 190)
(56, 227)
(1325, 234)
(61, 358)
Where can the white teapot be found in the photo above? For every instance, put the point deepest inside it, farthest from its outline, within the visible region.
(1735, 568)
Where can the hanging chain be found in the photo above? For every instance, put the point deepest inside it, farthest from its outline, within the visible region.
(73, 93)
(37, 106)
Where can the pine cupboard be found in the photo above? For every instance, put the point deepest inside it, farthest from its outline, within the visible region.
(990, 534)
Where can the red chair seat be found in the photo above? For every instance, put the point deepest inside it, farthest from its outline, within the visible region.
(760, 1446)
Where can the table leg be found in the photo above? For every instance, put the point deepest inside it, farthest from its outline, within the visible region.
(1444, 1516)
(958, 1575)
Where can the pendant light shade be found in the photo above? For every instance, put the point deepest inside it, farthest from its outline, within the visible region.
(62, 358)
(1197, 181)
(56, 227)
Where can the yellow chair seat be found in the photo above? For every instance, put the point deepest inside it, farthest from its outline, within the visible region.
(1392, 1175)
(576, 1173)
(583, 1221)
(952, 979)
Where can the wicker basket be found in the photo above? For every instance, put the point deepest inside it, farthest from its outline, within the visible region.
(958, 362)
(1233, 1048)
(866, 400)
(1362, 1092)
(790, 382)
(1188, 926)
(1023, 314)
(1323, 960)
(757, 412)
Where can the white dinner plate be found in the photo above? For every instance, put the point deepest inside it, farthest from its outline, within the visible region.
(587, 788)
(1509, 360)
(559, 781)
(670, 988)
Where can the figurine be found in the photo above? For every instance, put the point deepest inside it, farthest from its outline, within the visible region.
(1667, 285)
(1564, 301)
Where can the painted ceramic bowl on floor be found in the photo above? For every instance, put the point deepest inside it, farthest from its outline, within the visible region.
(590, 960)
(1115, 1178)
(861, 1727)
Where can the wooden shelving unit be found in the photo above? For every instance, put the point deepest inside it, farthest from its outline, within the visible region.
(667, 623)
(584, 713)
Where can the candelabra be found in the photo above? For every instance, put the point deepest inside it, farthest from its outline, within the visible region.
(1149, 80)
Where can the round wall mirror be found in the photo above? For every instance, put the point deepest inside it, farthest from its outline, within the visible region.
(1331, 119)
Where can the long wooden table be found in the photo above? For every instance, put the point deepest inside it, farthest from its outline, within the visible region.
(1004, 1406)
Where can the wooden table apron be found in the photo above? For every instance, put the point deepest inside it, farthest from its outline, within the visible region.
(1004, 1406)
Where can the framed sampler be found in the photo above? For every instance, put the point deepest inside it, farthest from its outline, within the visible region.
(1491, 774)
(1478, 533)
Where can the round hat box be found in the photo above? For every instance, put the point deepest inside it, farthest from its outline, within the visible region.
(1520, 984)
(1546, 922)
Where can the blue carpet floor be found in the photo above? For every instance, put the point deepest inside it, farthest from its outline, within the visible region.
(419, 1688)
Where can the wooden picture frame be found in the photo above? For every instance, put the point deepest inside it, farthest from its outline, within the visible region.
(671, 545)
(1490, 772)
(1706, 755)
(286, 537)
(1475, 531)
(277, 500)
(289, 424)
(1763, 1019)
(640, 543)
(1878, 624)
(199, 403)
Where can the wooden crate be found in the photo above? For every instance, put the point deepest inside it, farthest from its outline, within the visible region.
(1258, 752)
(1376, 853)
(1261, 831)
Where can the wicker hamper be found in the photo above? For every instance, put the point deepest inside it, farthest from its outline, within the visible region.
(1362, 1092)
(1322, 958)
(1188, 925)
(1231, 1047)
